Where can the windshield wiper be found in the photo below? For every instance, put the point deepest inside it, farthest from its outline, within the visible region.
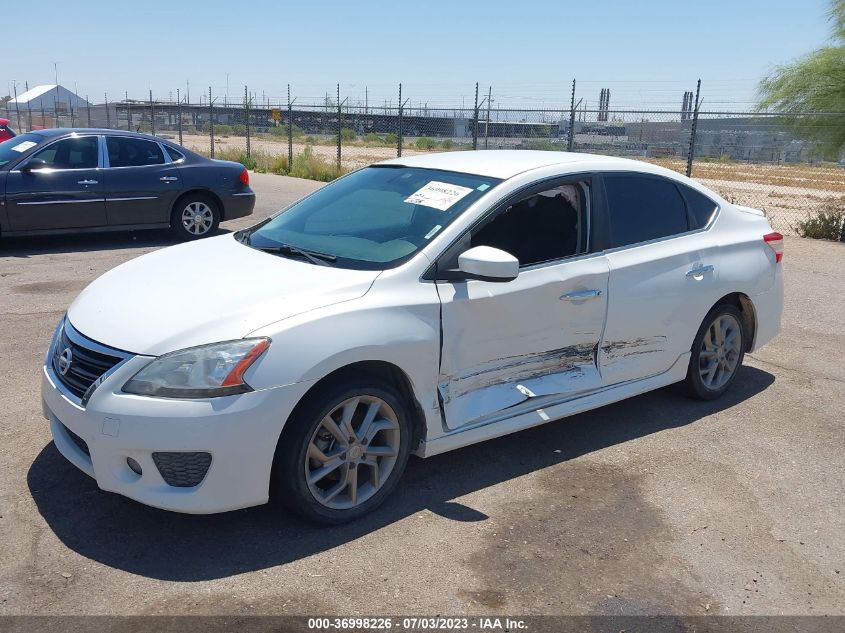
(321, 259)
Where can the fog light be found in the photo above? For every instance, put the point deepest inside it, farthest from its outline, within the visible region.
(134, 466)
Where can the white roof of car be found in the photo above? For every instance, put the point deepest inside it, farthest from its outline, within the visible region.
(497, 163)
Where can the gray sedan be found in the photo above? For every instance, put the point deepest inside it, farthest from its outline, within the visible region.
(71, 181)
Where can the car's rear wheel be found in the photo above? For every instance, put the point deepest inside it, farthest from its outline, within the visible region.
(195, 216)
(344, 450)
(717, 353)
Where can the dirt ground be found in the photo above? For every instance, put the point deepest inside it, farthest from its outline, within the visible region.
(658, 504)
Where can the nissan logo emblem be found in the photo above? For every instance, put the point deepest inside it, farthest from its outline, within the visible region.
(65, 359)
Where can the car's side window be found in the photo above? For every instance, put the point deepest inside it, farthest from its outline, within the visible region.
(643, 208)
(70, 153)
(701, 207)
(133, 152)
(545, 226)
(175, 154)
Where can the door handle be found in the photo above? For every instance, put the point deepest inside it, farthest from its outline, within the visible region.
(168, 178)
(700, 270)
(87, 182)
(581, 295)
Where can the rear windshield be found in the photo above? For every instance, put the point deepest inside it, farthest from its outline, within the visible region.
(17, 146)
(374, 218)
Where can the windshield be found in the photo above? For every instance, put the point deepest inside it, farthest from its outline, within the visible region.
(15, 147)
(374, 218)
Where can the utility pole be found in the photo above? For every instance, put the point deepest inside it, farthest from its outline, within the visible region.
(152, 115)
(28, 110)
(108, 115)
(128, 112)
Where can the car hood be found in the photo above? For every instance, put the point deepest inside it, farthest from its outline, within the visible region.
(215, 289)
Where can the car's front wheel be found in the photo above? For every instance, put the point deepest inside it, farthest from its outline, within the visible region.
(344, 450)
(717, 353)
(195, 216)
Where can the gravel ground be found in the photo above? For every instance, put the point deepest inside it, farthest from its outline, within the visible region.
(657, 504)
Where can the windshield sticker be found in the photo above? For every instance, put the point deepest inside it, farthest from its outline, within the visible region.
(432, 232)
(438, 195)
(483, 187)
(22, 147)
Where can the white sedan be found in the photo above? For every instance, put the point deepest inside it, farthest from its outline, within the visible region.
(415, 306)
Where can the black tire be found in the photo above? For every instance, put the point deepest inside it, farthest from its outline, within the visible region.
(289, 471)
(694, 385)
(200, 202)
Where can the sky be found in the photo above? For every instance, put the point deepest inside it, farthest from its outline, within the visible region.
(527, 53)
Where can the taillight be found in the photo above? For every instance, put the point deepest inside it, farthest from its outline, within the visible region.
(775, 242)
(245, 178)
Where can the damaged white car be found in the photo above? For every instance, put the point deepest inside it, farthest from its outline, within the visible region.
(415, 306)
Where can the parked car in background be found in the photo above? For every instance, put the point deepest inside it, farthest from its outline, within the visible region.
(416, 306)
(63, 180)
(6, 132)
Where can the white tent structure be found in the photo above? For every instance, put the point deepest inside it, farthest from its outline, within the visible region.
(48, 98)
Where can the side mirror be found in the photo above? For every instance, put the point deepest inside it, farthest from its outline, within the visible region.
(34, 164)
(488, 264)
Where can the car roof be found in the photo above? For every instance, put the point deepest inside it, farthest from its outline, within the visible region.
(496, 163)
(65, 131)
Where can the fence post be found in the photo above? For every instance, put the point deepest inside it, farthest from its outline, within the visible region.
(339, 126)
(211, 120)
(152, 115)
(571, 138)
(290, 131)
(179, 113)
(475, 120)
(399, 125)
(487, 122)
(246, 112)
(692, 130)
(18, 109)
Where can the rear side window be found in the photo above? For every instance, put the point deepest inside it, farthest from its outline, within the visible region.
(133, 152)
(175, 154)
(702, 207)
(643, 208)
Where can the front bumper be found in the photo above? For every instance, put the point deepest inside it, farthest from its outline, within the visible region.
(238, 205)
(240, 432)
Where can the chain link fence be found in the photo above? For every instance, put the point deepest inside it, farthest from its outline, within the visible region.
(750, 158)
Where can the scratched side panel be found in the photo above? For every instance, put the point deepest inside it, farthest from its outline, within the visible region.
(506, 382)
(504, 343)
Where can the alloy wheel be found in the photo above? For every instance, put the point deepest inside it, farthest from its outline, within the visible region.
(720, 352)
(197, 218)
(352, 452)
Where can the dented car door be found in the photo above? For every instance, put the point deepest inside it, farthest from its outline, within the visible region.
(535, 336)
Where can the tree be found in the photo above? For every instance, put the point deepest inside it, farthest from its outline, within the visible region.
(812, 84)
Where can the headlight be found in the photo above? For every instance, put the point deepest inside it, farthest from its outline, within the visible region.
(199, 372)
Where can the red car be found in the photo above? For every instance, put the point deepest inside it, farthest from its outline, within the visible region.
(5, 131)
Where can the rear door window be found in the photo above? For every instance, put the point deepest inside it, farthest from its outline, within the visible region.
(643, 208)
(133, 152)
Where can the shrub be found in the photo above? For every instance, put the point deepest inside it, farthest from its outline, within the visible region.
(390, 139)
(348, 134)
(446, 143)
(825, 224)
(425, 143)
(372, 137)
(282, 130)
(278, 165)
(239, 129)
(307, 164)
